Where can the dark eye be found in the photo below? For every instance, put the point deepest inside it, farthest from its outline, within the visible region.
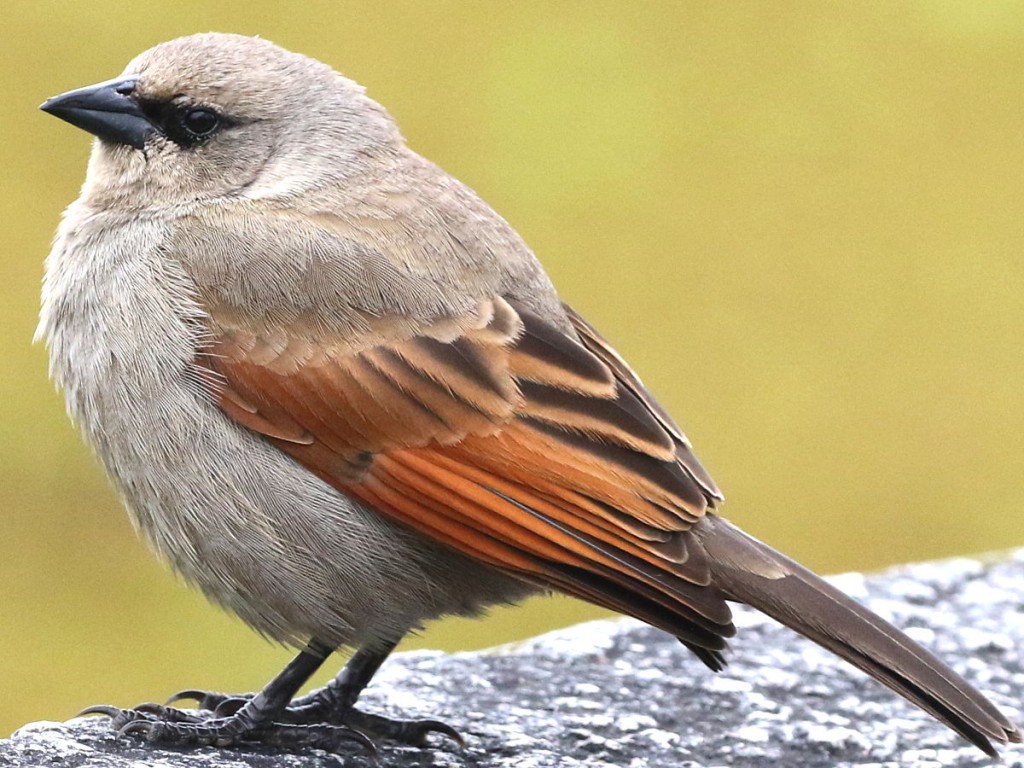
(200, 122)
(187, 125)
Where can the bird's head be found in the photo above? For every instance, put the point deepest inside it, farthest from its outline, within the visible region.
(215, 115)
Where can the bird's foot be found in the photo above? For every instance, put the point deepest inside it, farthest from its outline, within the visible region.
(320, 708)
(168, 726)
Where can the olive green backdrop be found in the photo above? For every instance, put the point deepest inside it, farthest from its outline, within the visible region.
(801, 222)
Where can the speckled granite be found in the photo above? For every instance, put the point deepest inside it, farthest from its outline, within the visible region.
(617, 693)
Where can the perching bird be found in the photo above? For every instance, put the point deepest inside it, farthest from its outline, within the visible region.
(339, 394)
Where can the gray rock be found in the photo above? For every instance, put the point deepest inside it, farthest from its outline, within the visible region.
(617, 693)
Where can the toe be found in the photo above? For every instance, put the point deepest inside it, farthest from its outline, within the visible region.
(413, 732)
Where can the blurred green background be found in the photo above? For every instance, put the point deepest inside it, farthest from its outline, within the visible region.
(800, 221)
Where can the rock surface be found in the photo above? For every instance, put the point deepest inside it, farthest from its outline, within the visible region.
(617, 693)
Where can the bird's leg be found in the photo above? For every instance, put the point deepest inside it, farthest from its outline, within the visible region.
(334, 704)
(341, 693)
(257, 720)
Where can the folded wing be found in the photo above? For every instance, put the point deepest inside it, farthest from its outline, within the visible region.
(504, 437)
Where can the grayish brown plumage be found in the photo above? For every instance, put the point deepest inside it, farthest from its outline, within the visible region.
(339, 393)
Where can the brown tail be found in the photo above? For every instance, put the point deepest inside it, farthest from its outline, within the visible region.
(753, 573)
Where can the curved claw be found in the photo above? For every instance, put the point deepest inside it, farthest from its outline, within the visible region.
(101, 709)
(211, 700)
(360, 738)
(436, 726)
(143, 727)
(192, 694)
(229, 706)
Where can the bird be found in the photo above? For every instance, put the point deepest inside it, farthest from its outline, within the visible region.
(339, 394)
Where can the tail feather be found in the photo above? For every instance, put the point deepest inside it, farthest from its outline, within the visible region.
(753, 573)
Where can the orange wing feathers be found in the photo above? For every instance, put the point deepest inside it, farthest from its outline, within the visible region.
(506, 439)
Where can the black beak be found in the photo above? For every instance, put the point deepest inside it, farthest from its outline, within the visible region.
(107, 110)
